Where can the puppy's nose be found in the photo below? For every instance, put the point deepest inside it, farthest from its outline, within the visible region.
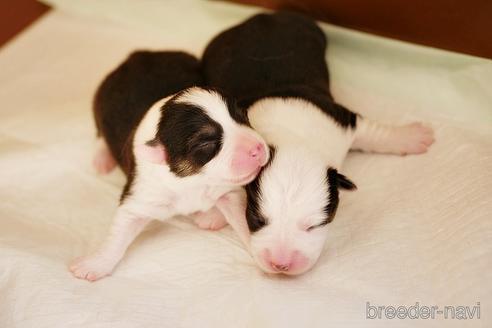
(258, 152)
(285, 261)
(280, 267)
(279, 261)
(248, 157)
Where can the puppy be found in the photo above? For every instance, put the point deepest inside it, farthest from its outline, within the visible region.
(180, 154)
(274, 64)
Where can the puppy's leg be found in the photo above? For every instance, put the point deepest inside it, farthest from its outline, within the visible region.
(233, 207)
(125, 228)
(212, 219)
(413, 138)
(103, 161)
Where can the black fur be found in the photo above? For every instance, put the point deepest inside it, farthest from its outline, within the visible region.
(344, 183)
(132, 88)
(255, 219)
(129, 91)
(276, 55)
(335, 181)
(238, 115)
(190, 136)
(273, 55)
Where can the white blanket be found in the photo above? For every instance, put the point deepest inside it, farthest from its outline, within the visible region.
(419, 228)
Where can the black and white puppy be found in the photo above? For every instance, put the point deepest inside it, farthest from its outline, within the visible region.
(274, 64)
(180, 154)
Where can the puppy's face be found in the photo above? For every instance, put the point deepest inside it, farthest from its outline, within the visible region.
(202, 134)
(289, 206)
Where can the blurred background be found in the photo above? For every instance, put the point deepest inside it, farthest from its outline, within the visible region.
(456, 25)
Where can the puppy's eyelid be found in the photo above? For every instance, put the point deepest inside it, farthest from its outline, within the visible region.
(201, 139)
(308, 223)
(204, 144)
(319, 225)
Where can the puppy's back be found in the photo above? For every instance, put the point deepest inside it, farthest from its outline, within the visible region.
(267, 52)
(129, 91)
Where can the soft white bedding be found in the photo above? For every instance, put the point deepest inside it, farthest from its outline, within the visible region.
(419, 228)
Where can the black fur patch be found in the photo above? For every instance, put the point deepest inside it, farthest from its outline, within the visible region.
(274, 55)
(128, 92)
(345, 183)
(128, 165)
(238, 114)
(127, 188)
(190, 137)
(335, 181)
(255, 219)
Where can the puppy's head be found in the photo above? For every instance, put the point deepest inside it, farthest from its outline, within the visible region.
(289, 206)
(201, 133)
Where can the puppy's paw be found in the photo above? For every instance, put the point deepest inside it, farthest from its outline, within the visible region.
(210, 221)
(103, 161)
(414, 138)
(92, 267)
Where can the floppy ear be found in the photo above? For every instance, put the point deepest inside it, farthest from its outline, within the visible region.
(344, 183)
(152, 151)
(340, 180)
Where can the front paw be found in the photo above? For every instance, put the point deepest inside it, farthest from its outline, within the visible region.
(210, 221)
(91, 267)
(414, 138)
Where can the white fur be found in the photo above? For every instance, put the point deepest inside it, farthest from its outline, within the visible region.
(293, 188)
(413, 138)
(298, 123)
(157, 193)
(218, 171)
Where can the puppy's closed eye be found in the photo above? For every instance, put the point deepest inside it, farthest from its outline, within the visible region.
(204, 145)
(319, 225)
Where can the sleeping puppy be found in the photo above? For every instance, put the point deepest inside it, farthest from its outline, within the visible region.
(274, 64)
(180, 154)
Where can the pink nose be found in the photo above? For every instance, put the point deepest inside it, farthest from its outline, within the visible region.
(285, 261)
(258, 152)
(280, 267)
(249, 158)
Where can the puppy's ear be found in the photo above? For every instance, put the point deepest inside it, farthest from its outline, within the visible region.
(344, 183)
(340, 180)
(152, 151)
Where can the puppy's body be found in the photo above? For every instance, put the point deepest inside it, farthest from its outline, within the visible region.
(119, 103)
(280, 77)
(180, 154)
(275, 65)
